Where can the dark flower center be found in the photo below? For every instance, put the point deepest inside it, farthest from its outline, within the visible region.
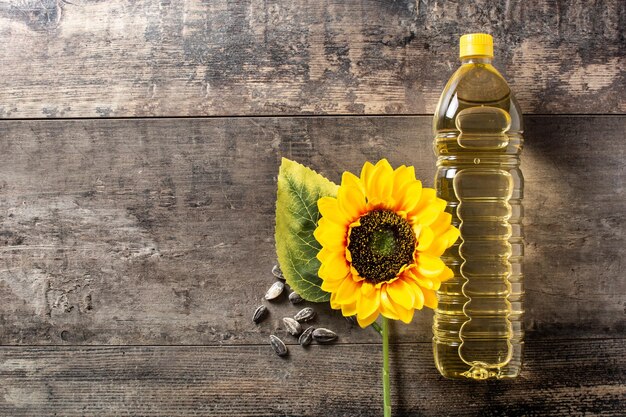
(381, 245)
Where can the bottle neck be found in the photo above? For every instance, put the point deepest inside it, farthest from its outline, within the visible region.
(479, 59)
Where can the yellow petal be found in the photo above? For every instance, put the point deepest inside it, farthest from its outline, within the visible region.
(402, 176)
(367, 320)
(367, 288)
(332, 285)
(333, 301)
(430, 298)
(444, 241)
(381, 184)
(428, 214)
(334, 266)
(406, 315)
(452, 234)
(419, 296)
(349, 257)
(442, 223)
(428, 265)
(425, 238)
(347, 291)
(401, 293)
(438, 247)
(324, 254)
(385, 164)
(348, 179)
(409, 196)
(353, 271)
(366, 174)
(349, 309)
(331, 235)
(369, 304)
(428, 196)
(324, 271)
(351, 202)
(423, 282)
(445, 275)
(386, 307)
(329, 209)
(394, 310)
(417, 229)
(327, 254)
(357, 278)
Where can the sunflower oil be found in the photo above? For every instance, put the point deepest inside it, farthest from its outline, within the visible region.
(478, 332)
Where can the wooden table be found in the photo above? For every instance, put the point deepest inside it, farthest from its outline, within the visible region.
(138, 160)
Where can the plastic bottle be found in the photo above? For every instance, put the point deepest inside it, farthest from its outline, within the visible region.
(478, 329)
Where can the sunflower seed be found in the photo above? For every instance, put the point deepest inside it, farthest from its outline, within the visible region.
(295, 298)
(278, 273)
(278, 346)
(323, 335)
(275, 290)
(351, 319)
(306, 337)
(305, 314)
(293, 327)
(259, 314)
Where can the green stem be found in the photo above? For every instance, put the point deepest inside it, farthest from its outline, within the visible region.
(386, 390)
(377, 327)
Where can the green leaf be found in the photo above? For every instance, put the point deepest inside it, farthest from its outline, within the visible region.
(297, 215)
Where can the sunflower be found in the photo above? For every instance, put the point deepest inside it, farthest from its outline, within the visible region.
(382, 238)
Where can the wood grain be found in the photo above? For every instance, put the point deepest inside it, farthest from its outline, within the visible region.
(561, 378)
(92, 58)
(161, 231)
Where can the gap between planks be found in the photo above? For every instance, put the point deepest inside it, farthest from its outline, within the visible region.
(247, 345)
(290, 116)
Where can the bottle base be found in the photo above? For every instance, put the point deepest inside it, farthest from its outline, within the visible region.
(450, 365)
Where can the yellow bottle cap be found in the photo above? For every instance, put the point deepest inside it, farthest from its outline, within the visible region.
(476, 44)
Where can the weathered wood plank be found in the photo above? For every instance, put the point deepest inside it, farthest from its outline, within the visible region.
(560, 378)
(161, 231)
(88, 58)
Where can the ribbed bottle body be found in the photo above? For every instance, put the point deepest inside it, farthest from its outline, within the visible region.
(478, 328)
